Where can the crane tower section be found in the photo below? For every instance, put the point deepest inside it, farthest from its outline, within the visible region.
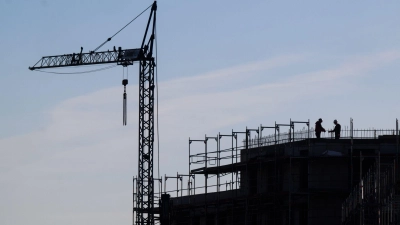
(144, 55)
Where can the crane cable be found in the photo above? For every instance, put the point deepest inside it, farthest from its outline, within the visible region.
(157, 124)
(109, 39)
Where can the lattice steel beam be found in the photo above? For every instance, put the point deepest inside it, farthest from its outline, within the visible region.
(119, 56)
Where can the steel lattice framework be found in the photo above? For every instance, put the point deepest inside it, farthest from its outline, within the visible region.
(145, 185)
(121, 57)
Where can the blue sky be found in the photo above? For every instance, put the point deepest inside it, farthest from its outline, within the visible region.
(65, 156)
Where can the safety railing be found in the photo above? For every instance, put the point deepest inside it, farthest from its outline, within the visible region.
(286, 137)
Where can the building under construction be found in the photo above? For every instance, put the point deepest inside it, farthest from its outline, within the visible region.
(287, 177)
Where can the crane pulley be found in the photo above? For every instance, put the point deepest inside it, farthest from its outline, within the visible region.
(144, 56)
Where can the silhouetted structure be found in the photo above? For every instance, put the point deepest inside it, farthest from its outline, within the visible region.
(288, 178)
(336, 130)
(319, 128)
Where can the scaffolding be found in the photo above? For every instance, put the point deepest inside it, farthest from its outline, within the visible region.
(277, 178)
(376, 197)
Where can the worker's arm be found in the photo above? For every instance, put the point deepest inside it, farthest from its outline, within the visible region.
(336, 129)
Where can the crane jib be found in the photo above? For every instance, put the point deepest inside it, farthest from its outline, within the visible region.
(144, 212)
(119, 56)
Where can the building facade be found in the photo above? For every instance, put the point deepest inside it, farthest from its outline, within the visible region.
(290, 178)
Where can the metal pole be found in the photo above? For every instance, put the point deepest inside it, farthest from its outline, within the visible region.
(236, 148)
(308, 133)
(379, 185)
(236, 163)
(218, 162)
(277, 127)
(232, 156)
(247, 174)
(233, 200)
(181, 179)
(133, 201)
(275, 188)
(290, 189)
(290, 130)
(177, 185)
(190, 197)
(397, 145)
(361, 189)
(308, 169)
(218, 165)
(165, 183)
(351, 153)
(260, 137)
(205, 177)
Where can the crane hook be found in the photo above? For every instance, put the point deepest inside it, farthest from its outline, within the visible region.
(124, 102)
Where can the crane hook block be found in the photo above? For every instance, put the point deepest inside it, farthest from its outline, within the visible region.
(124, 82)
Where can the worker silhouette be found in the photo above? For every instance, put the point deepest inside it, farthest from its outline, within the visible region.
(319, 128)
(336, 129)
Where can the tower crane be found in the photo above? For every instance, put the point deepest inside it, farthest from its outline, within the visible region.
(144, 55)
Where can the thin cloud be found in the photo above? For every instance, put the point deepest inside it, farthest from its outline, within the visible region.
(85, 138)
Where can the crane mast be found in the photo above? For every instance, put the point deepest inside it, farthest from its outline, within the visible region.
(144, 55)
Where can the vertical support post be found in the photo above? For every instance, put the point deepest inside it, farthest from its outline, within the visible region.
(237, 172)
(293, 133)
(189, 187)
(233, 199)
(260, 137)
(275, 155)
(133, 200)
(397, 146)
(165, 183)
(161, 180)
(190, 142)
(308, 170)
(361, 159)
(351, 153)
(308, 133)
(232, 155)
(181, 179)
(277, 127)
(145, 192)
(247, 174)
(290, 130)
(379, 185)
(177, 185)
(290, 189)
(205, 177)
(218, 177)
(145, 182)
(361, 190)
(247, 145)
(275, 188)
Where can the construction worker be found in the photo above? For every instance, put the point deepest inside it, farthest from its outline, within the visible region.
(319, 128)
(336, 130)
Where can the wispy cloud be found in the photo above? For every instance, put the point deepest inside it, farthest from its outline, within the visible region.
(85, 138)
